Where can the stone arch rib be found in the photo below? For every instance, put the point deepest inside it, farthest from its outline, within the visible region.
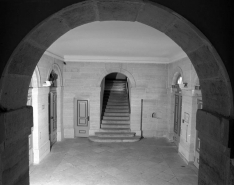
(214, 79)
(116, 70)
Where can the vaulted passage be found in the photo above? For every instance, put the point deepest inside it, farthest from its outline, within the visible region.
(25, 47)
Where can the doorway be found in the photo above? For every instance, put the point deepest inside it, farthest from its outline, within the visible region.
(53, 108)
(53, 116)
(177, 111)
(81, 118)
(30, 137)
(197, 140)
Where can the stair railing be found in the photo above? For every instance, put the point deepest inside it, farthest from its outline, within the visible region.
(127, 87)
(142, 103)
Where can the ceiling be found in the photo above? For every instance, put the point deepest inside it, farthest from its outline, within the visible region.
(114, 41)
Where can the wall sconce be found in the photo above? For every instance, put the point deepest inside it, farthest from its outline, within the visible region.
(47, 84)
(185, 84)
(197, 87)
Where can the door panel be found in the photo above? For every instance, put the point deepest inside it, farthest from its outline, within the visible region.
(197, 144)
(81, 118)
(30, 137)
(177, 118)
(53, 117)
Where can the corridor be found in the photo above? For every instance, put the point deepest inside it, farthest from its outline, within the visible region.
(151, 161)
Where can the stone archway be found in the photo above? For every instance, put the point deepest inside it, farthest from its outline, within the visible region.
(214, 80)
(208, 65)
(57, 70)
(178, 72)
(116, 70)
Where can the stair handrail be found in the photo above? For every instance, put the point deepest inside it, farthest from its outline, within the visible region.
(127, 87)
(142, 104)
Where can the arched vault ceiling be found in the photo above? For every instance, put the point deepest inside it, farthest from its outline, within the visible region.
(130, 41)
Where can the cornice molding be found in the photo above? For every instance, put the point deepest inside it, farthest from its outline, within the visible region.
(113, 59)
(53, 55)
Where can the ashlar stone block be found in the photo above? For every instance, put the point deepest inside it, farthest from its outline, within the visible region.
(155, 16)
(49, 31)
(184, 36)
(14, 92)
(215, 96)
(25, 59)
(215, 127)
(118, 10)
(79, 14)
(204, 63)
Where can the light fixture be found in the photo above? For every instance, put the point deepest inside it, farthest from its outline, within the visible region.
(47, 84)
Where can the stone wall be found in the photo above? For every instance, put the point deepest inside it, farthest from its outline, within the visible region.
(148, 81)
(185, 68)
(41, 143)
(21, 54)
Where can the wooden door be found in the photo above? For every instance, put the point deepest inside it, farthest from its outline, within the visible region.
(177, 118)
(53, 117)
(81, 118)
(30, 137)
(197, 144)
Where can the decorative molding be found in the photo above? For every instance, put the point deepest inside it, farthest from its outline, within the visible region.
(115, 59)
(178, 57)
(47, 52)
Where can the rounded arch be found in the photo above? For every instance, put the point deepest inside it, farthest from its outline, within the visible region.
(36, 78)
(57, 70)
(195, 80)
(123, 71)
(177, 72)
(207, 63)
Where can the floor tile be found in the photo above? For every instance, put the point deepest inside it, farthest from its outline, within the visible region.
(151, 161)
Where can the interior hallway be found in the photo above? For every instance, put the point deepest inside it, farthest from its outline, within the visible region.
(151, 161)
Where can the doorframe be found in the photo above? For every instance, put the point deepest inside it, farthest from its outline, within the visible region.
(75, 113)
(52, 90)
(179, 122)
(199, 98)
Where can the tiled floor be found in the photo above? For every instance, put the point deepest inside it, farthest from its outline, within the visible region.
(82, 162)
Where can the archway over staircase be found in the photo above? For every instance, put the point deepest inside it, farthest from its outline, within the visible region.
(115, 110)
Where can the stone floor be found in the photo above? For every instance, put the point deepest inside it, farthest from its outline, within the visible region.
(82, 162)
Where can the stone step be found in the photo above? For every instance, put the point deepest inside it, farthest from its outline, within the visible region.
(117, 107)
(116, 110)
(115, 130)
(126, 118)
(115, 126)
(114, 139)
(115, 122)
(120, 94)
(116, 114)
(125, 98)
(116, 103)
(115, 100)
(115, 134)
(115, 89)
(115, 82)
(105, 102)
(115, 96)
(115, 85)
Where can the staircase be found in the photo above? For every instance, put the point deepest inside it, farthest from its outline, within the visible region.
(115, 125)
